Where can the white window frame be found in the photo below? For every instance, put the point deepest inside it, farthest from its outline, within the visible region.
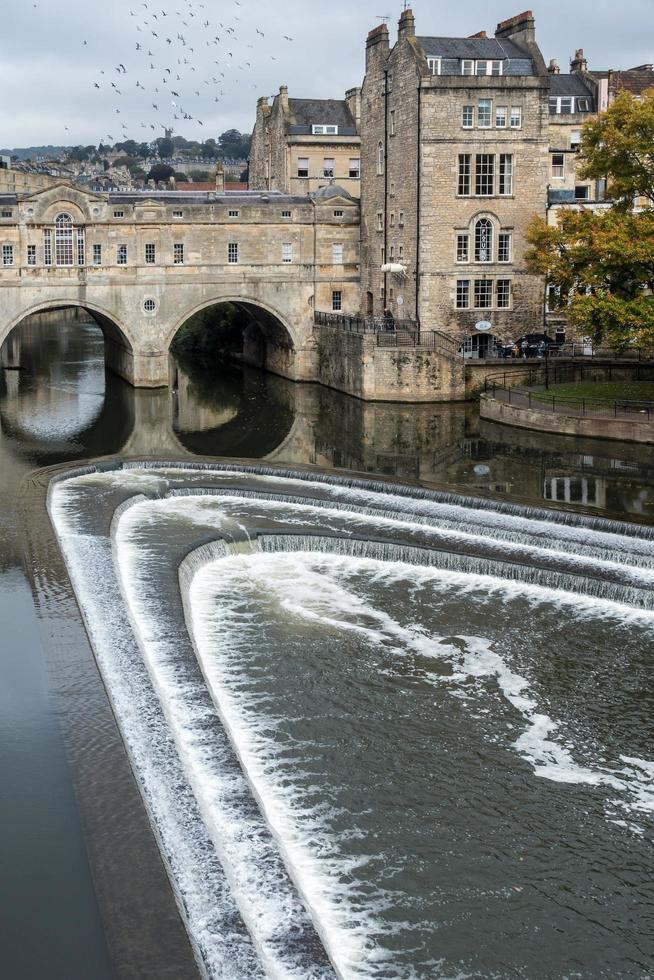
(287, 253)
(501, 116)
(339, 214)
(150, 253)
(434, 64)
(507, 238)
(178, 214)
(487, 293)
(468, 111)
(483, 171)
(329, 168)
(380, 221)
(119, 214)
(286, 214)
(464, 175)
(324, 130)
(355, 168)
(47, 246)
(380, 159)
(337, 300)
(337, 253)
(558, 169)
(516, 117)
(462, 294)
(505, 175)
(97, 254)
(303, 172)
(484, 234)
(488, 105)
(575, 139)
(462, 248)
(64, 241)
(178, 253)
(7, 255)
(586, 189)
(121, 254)
(505, 294)
(467, 66)
(31, 254)
(232, 253)
(233, 214)
(81, 247)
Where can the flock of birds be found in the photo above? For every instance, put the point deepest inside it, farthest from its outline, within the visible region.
(168, 46)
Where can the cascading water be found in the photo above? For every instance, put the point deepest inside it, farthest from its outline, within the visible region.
(380, 732)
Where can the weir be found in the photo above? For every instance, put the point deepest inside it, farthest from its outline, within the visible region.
(219, 576)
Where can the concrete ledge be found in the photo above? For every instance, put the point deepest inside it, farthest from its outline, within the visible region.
(623, 430)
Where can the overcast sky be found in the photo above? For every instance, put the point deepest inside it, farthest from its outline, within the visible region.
(48, 74)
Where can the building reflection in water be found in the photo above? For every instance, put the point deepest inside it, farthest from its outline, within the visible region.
(62, 405)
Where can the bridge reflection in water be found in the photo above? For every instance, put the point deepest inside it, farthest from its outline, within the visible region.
(63, 405)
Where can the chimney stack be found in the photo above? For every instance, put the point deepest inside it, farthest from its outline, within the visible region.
(377, 43)
(579, 63)
(522, 27)
(283, 96)
(220, 177)
(407, 24)
(553, 67)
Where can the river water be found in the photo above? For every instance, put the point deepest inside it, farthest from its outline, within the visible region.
(455, 770)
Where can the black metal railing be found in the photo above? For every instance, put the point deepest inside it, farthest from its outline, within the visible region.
(543, 400)
(390, 332)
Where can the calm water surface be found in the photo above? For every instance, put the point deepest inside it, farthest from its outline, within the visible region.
(61, 406)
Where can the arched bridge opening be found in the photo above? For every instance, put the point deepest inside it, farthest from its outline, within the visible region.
(238, 330)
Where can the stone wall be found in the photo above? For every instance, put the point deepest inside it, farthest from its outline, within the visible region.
(355, 364)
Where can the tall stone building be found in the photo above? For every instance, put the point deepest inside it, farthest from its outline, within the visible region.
(455, 162)
(302, 145)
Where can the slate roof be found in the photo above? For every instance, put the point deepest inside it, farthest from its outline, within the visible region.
(8, 199)
(205, 197)
(305, 113)
(489, 48)
(635, 81)
(573, 84)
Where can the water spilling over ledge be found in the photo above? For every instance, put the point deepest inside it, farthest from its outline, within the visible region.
(370, 723)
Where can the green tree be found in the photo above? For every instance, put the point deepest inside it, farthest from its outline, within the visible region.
(620, 145)
(161, 171)
(165, 148)
(602, 263)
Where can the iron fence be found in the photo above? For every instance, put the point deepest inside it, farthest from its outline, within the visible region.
(543, 400)
(390, 332)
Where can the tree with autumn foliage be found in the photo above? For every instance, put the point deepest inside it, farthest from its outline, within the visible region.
(602, 263)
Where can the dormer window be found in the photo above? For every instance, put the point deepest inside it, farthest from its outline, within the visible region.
(481, 67)
(583, 105)
(324, 130)
(434, 65)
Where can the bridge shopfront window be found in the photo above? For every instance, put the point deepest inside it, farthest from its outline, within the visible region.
(63, 240)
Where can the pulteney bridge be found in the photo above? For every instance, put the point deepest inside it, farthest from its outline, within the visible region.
(142, 264)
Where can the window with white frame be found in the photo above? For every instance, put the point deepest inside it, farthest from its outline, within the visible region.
(337, 300)
(7, 214)
(47, 246)
(484, 240)
(150, 254)
(380, 221)
(232, 253)
(467, 67)
(380, 158)
(233, 214)
(582, 192)
(583, 105)
(561, 105)
(97, 255)
(63, 240)
(468, 117)
(516, 117)
(328, 167)
(337, 253)
(178, 253)
(504, 246)
(324, 130)
(121, 255)
(462, 294)
(463, 247)
(434, 65)
(503, 293)
(7, 254)
(286, 214)
(488, 67)
(178, 214)
(501, 116)
(552, 301)
(485, 175)
(558, 165)
(483, 294)
(339, 214)
(575, 139)
(355, 168)
(463, 183)
(506, 174)
(31, 254)
(303, 166)
(484, 113)
(119, 214)
(81, 247)
(287, 252)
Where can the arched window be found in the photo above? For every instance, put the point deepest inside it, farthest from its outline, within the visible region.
(380, 158)
(484, 240)
(63, 240)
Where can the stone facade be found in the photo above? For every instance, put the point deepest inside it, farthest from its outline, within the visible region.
(142, 264)
(421, 116)
(302, 145)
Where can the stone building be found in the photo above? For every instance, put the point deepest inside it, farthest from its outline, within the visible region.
(455, 160)
(302, 145)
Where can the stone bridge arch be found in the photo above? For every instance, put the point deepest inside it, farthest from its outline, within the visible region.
(119, 343)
